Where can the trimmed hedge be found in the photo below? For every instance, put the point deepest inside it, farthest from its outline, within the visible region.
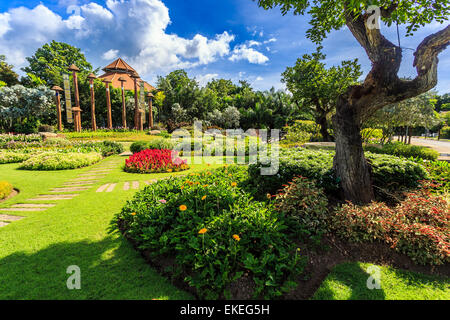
(60, 161)
(389, 172)
(157, 144)
(14, 157)
(405, 150)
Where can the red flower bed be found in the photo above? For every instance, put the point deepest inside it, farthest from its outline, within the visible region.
(419, 226)
(154, 161)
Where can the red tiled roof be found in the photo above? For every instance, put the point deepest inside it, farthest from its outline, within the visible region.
(119, 64)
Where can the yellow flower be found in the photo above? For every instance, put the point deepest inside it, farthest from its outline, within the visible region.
(226, 166)
(169, 170)
(269, 196)
(236, 237)
(133, 214)
(203, 231)
(183, 207)
(205, 186)
(182, 187)
(230, 175)
(233, 184)
(204, 197)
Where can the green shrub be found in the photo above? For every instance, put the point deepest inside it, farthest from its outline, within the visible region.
(304, 206)
(215, 232)
(405, 150)
(370, 135)
(46, 128)
(110, 148)
(445, 132)
(5, 189)
(60, 161)
(418, 226)
(439, 172)
(159, 144)
(14, 157)
(387, 171)
(300, 132)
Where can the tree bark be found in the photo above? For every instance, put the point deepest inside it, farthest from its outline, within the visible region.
(322, 122)
(381, 87)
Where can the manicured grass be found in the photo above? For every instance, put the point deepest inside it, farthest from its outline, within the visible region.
(129, 136)
(36, 251)
(348, 281)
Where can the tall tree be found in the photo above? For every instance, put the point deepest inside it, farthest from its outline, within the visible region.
(50, 61)
(382, 85)
(317, 88)
(7, 74)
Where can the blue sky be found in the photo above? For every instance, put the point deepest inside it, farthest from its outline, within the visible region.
(232, 39)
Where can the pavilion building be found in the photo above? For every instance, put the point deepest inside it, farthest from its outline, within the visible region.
(121, 69)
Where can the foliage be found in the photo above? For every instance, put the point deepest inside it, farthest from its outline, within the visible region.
(21, 108)
(304, 207)
(60, 161)
(439, 173)
(154, 160)
(52, 60)
(300, 132)
(160, 143)
(215, 232)
(316, 88)
(370, 135)
(46, 128)
(445, 132)
(5, 189)
(418, 226)
(7, 74)
(404, 150)
(13, 156)
(388, 172)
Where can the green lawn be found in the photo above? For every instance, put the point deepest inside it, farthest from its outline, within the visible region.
(36, 251)
(348, 281)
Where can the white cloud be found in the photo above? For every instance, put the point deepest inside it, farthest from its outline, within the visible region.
(270, 40)
(244, 52)
(110, 54)
(136, 27)
(259, 79)
(204, 79)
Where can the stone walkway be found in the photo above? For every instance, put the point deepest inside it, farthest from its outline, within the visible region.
(109, 187)
(69, 190)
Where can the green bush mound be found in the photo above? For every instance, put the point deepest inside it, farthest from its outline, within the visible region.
(60, 161)
(439, 173)
(215, 232)
(419, 226)
(405, 150)
(389, 172)
(5, 189)
(159, 144)
(14, 157)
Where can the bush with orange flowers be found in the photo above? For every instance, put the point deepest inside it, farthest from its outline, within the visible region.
(216, 233)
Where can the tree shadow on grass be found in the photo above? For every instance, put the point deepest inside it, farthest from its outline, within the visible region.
(110, 269)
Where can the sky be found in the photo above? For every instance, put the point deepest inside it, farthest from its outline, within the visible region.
(230, 39)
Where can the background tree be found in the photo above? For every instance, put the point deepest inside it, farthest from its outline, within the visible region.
(51, 60)
(382, 86)
(317, 88)
(443, 102)
(7, 74)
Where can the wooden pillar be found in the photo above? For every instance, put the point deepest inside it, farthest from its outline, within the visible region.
(150, 111)
(77, 109)
(58, 106)
(108, 104)
(137, 113)
(124, 109)
(91, 78)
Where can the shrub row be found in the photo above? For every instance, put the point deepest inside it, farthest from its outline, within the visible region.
(405, 150)
(216, 233)
(388, 171)
(60, 161)
(14, 157)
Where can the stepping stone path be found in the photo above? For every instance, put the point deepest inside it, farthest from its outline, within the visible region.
(109, 187)
(82, 182)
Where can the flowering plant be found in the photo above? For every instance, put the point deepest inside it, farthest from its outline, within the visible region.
(153, 160)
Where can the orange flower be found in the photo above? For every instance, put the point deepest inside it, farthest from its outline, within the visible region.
(182, 187)
(183, 207)
(133, 214)
(204, 197)
(203, 231)
(233, 184)
(205, 186)
(169, 170)
(236, 237)
(230, 175)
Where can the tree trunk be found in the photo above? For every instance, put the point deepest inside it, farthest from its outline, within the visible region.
(322, 121)
(350, 164)
(410, 135)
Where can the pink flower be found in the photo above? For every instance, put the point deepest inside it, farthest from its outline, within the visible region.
(163, 201)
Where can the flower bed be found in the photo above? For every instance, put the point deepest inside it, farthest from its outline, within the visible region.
(5, 189)
(14, 157)
(419, 226)
(154, 161)
(60, 161)
(220, 241)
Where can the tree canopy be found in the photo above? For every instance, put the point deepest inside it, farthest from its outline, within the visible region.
(317, 87)
(7, 74)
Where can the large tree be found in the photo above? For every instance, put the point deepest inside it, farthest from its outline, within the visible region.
(382, 85)
(317, 87)
(49, 62)
(7, 74)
